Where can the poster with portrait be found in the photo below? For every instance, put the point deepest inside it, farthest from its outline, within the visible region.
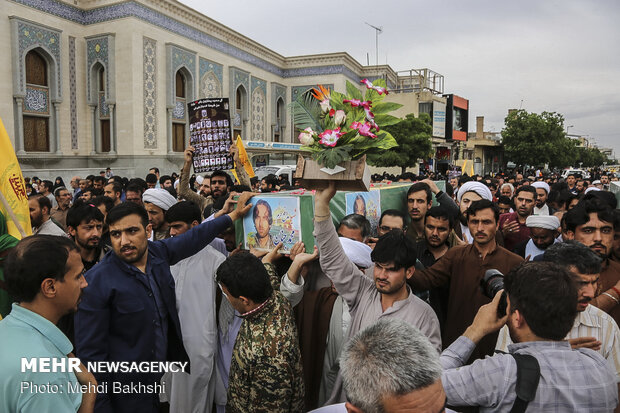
(210, 134)
(271, 221)
(367, 204)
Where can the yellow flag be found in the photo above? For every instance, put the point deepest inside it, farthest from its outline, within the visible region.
(14, 205)
(245, 161)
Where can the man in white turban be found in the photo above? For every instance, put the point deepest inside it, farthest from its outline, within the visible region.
(544, 230)
(156, 202)
(542, 193)
(469, 192)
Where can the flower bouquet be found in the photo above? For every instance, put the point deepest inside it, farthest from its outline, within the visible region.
(339, 130)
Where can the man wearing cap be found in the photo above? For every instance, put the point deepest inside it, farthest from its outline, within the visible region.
(156, 202)
(542, 192)
(544, 230)
(468, 193)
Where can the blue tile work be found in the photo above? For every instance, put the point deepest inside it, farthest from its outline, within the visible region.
(36, 100)
(280, 92)
(259, 97)
(132, 9)
(256, 82)
(183, 58)
(97, 51)
(104, 109)
(149, 79)
(211, 79)
(31, 36)
(73, 93)
(178, 113)
(238, 77)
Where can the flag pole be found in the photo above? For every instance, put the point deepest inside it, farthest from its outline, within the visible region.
(6, 205)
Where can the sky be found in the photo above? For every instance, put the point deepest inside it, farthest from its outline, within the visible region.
(558, 56)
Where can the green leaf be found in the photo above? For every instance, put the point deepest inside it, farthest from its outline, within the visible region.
(384, 120)
(353, 92)
(306, 112)
(330, 157)
(385, 107)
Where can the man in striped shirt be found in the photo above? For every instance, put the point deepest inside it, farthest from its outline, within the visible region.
(593, 328)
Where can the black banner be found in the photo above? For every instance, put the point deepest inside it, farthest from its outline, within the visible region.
(210, 135)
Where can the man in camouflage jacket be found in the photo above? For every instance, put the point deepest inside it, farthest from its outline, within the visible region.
(266, 373)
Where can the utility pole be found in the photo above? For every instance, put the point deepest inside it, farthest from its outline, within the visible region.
(378, 31)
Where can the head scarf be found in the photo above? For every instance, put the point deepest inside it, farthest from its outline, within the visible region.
(159, 197)
(477, 187)
(357, 252)
(543, 221)
(543, 185)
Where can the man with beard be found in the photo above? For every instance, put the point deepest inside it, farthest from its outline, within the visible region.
(544, 231)
(542, 193)
(437, 227)
(469, 193)
(263, 219)
(462, 267)
(156, 202)
(113, 190)
(419, 200)
(512, 225)
(219, 183)
(541, 310)
(591, 222)
(63, 201)
(40, 207)
(593, 328)
(45, 277)
(85, 226)
(129, 311)
(387, 295)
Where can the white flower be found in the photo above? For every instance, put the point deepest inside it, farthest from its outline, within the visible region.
(340, 117)
(306, 137)
(325, 106)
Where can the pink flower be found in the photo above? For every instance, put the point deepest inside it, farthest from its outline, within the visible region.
(325, 106)
(371, 118)
(330, 137)
(380, 90)
(340, 117)
(306, 137)
(357, 103)
(363, 129)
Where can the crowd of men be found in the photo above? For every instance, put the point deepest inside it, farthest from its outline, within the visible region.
(491, 294)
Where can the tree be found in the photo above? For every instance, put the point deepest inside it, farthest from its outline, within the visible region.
(591, 157)
(414, 142)
(537, 139)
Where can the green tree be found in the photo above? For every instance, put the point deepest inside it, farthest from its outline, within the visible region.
(591, 157)
(414, 142)
(537, 139)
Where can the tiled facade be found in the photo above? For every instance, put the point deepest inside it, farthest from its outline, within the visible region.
(141, 44)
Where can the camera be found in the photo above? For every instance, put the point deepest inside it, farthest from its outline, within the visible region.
(491, 283)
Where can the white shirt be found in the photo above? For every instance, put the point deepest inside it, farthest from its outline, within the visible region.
(195, 286)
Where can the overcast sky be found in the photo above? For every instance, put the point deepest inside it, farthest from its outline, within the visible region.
(561, 56)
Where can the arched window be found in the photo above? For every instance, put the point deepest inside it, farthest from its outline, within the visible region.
(178, 123)
(104, 112)
(280, 119)
(239, 114)
(37, 104)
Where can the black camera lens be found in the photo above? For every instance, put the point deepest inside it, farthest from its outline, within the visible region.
(491, 283)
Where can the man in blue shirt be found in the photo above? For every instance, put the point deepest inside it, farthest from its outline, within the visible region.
(129, 313)
(45, 276)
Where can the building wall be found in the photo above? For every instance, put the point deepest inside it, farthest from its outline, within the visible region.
(141, 43)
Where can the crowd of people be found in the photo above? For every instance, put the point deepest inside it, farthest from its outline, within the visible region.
(482, 293)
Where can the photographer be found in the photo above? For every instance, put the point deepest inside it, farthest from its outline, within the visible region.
(542, 305)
